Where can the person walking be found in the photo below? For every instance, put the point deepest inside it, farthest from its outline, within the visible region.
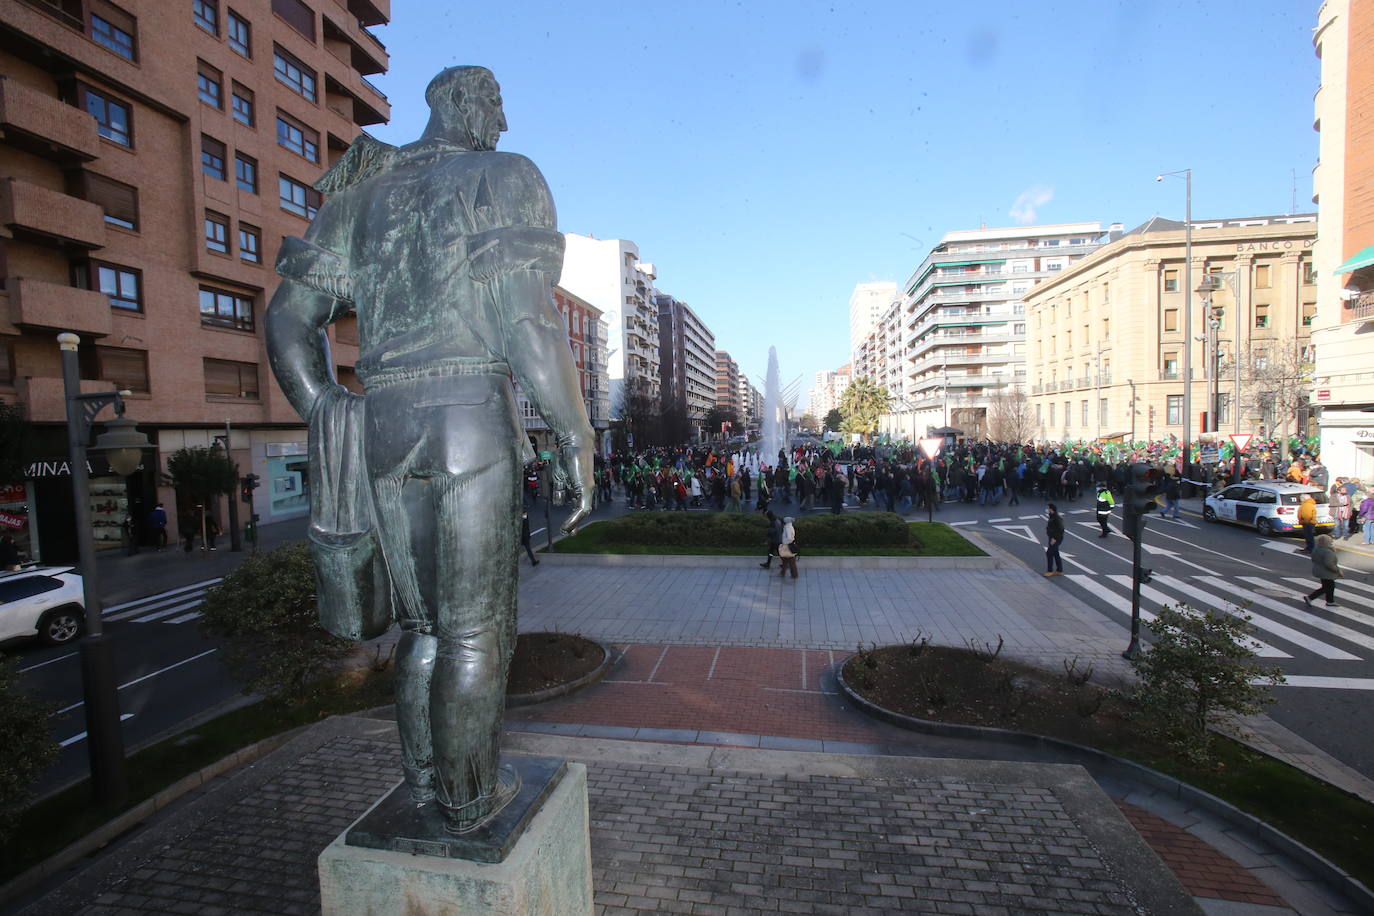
(1054, 532)
(1365, 514)
(1173, 491)
(1307, 518)
(157, 521)
(1340, 509)
(525, 537)
(774, 539)
(1325, 569)
(787, 549)
(1105, 502)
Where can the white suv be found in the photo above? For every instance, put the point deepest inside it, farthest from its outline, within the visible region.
(42, 601)
(1271, 506)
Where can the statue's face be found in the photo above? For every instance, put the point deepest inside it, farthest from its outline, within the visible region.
(486, 119)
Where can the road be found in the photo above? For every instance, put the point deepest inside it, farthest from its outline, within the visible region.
(169, 672)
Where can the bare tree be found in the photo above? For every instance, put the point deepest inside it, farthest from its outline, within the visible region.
(1276, 384)
(1010, 417)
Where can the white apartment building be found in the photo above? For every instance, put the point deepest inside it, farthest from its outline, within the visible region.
(959, 334)
(829, 389)
(750, 402)
(866, 305)
(609, 274)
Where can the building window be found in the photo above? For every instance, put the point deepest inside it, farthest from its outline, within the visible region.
(1018, 328)
(212, 153)
(209, 85)
(297, 15)
(293, 73)
(224, 309)
(6, 363)
(115, 30)
(298, 198)
(1051, 414)
(123, 286)
(1261, 276)
(1223, 407)
(113, 119)
(227, 379)
(1261, 316)
(216, 232)
(206, 14)
(1040, 413)
(1309, 312)
(119, 200)
(1102, 412)
(126, 369)
(1171, 319)
(241, 105)
(1171, 365)
(240, 34)
(1173, 409)
(246, 173)
(250, 243)
(1171, 281)
(298, 138)
(1309, 273)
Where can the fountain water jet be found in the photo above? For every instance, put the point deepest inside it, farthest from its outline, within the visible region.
(772, 427)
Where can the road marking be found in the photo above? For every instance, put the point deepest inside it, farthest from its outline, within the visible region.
(1024, 517)
(993, 521)
(1347, 583)
(1016, 531)
(1173, 555)
(1077, 511)
(167, 612)
(1312, 620)
(1068, 558)
(1264, 650)
(1281, 546)
(1090, 585)
(957, 524)
(75, 738)
(714, 658)
(50, 661)
(178, 603)
(1175, 521)
(1342, 611)
(167, 594)
(1227, 556)
(184, 617)
(1330, 683)
(1280, 630)
(139, 680)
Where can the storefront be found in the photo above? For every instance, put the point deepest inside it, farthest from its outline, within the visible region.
(1347, 444)
(16, 518)
(286, 483)
(118, 506)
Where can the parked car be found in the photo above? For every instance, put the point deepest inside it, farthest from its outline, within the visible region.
(1270, 506)
(42, 601)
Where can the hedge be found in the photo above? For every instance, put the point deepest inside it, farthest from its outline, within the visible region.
(736, 529)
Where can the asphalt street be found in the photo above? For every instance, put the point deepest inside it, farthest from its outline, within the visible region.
(168, 672)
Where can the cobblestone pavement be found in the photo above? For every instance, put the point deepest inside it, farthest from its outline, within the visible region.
(714, 831)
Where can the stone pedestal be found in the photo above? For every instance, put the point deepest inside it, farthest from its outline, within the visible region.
(538, 857)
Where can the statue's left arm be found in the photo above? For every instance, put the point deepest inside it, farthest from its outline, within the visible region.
(516, 266)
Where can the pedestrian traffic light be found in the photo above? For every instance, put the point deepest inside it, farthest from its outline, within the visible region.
(246, 487)
(1146, 483)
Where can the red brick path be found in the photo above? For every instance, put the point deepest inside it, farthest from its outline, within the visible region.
(790, 693)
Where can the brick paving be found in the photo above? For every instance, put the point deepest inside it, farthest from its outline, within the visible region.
(1203, 870)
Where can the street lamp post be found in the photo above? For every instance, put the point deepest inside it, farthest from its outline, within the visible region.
(1131, 382)
(1187, 175)
(123, 447)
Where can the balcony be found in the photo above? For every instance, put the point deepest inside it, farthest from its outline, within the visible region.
(51, 216)
(365, 55)
(369, 12)
(46, 126)
(1359, 308)
(39, 305)
(359, 101)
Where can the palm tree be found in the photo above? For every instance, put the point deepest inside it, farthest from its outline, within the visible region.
(861, 405)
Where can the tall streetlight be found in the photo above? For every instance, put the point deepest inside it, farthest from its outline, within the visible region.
(1187, 175)
(123, 447)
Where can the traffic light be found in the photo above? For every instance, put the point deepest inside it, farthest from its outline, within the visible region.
(1216, 313)
(1146, 483)
(246, 487)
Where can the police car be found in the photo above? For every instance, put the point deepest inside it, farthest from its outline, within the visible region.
(42, 601)
(1269, 506)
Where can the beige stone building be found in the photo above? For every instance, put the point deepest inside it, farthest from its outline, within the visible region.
(1106, 336)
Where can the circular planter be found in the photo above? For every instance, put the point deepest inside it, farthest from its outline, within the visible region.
(560, 690)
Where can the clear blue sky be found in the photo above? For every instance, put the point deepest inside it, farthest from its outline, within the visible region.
(766, 155)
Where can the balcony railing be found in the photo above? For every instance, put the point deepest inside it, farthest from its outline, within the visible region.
(1361, 307)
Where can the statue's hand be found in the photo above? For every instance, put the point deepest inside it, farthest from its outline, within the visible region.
(579, 461)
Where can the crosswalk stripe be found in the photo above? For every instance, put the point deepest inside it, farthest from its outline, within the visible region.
(184, 617)
(167, 612)
(144, 607)
(1312, 620)
(1264, 650)
(1330, 683)
(167, 594)
(1282, 631)
(1342, 597)
(1348, 584)
(1091, 586)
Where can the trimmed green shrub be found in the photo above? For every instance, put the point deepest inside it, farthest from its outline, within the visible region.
(265, 611)
(28, 744)
(738, 529)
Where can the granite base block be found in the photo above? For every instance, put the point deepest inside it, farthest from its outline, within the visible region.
(549, 870)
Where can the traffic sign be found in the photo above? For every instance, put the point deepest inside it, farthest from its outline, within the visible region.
(932, 447)
(1241, 440)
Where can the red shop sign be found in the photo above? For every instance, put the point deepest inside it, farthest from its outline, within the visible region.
(10, 520)
(12, 493)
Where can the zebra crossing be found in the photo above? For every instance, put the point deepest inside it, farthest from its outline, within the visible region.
(175, 605)
(1281, 620)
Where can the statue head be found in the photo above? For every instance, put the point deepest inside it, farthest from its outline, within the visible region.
(465, 107)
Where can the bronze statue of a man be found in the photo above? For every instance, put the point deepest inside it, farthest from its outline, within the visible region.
(446, 250)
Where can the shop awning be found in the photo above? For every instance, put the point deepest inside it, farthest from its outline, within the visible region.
(1363, 259)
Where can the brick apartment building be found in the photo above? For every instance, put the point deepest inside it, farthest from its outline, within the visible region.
(154, 153)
